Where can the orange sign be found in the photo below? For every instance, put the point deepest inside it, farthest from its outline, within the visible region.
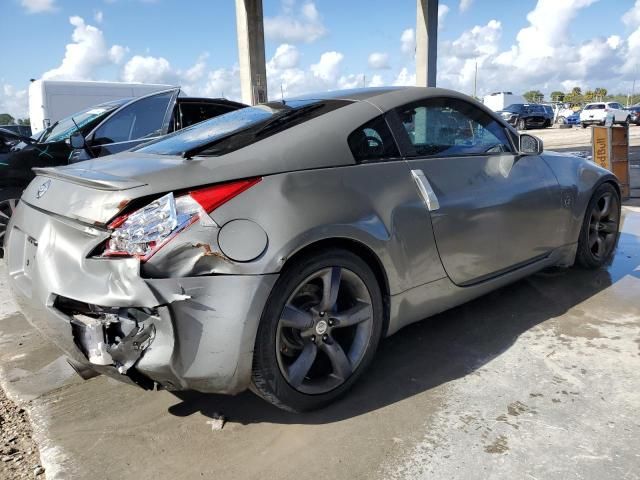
(601, 147)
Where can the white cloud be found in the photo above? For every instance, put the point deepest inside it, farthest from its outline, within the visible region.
(301, 25)
(631, 18)
(98, 16)
(443, 11)
(465, 5)
(376, 81)
(117, 53)
(328, 67)
(87, 51)
(408, 41)
(405, 78)
(148, 70)
(39, 6)
(379, 60)
(13, 101)
(286, 56)
(222, 82)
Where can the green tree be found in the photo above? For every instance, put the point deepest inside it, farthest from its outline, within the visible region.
(600, 93)
(533, 96)
(589, 96)
(557, 96)
(575, 96)
(6, 119)
(24, 121)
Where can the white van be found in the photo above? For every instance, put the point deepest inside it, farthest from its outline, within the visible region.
(53, 100)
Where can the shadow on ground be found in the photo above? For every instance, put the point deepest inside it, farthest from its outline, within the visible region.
(440, 349)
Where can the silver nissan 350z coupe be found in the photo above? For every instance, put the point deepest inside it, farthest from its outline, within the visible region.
(273, 247)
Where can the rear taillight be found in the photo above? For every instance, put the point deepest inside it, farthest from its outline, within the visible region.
(145, 231)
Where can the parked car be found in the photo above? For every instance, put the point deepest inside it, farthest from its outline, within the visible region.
(596, 113)
(634, 114)
(274, 246)
(549, 114)
(108, 128)
(23, 130)
(566, 113)
(525, 115)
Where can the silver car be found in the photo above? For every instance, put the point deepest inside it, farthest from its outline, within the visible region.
(273, 247)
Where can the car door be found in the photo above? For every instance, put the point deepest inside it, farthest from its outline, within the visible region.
(139, 121)
(492, 210)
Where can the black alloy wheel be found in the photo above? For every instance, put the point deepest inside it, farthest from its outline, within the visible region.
(7, 207)
(599, 232)
(319, 331)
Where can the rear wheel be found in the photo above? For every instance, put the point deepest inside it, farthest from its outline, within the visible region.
(318, 332)
(600, 228)
(584, 125)
(8, 201)
(562, 120)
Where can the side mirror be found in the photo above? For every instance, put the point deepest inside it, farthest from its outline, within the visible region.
(529, 145)
(77, 141)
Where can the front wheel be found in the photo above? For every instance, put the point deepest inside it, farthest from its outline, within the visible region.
(522, 125)
(600, 227)
(8, 202)
(319, 331)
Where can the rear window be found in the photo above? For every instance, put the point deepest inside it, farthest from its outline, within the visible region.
(240, 128)
(595, 106)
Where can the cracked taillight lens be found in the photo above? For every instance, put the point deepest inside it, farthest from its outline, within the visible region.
(145, 231)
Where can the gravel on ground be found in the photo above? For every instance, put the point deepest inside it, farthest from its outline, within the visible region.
(19, 456)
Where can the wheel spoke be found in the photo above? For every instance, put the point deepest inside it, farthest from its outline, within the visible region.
(609, 227)
(293, 317)
(4, 215)
(12, 205)
(301, 366)
(360, 312)
(330, 288)
(604, 211)
(337, 357)
(600, 246)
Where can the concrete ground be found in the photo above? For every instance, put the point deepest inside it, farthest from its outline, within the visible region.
(538, 380)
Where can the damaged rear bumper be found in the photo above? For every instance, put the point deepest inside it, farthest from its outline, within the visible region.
(182, 333)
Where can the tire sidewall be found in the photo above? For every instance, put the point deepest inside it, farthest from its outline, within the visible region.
(585, 257)
(268, 380)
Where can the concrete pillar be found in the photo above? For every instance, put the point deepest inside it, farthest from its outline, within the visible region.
(426, 43)
(253, 72)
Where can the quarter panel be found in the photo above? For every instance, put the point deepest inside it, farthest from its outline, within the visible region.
(375, 204)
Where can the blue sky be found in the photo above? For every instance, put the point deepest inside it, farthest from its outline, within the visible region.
(321, 44)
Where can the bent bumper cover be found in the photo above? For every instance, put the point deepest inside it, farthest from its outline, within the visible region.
(204, 327)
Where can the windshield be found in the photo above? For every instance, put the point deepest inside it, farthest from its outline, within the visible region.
(239, 128)
(514, 108)
(63, 129)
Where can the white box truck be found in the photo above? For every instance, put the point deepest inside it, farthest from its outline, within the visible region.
(498, 100)
(53, 100)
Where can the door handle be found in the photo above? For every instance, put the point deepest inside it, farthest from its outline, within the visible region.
(424, 189)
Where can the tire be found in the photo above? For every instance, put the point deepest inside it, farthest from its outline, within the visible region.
(522, 125)
(8, 200)
(562, 120)
(280, 348)
(600, 227)
(584, 125)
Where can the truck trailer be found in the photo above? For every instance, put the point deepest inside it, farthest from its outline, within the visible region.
(53, 100)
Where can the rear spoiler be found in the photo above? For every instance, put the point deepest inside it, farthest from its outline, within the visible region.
(89, 178)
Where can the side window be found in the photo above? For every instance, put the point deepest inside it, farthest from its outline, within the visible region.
(373, 142)
(192, 113)
(141, 119)
(451, 127)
